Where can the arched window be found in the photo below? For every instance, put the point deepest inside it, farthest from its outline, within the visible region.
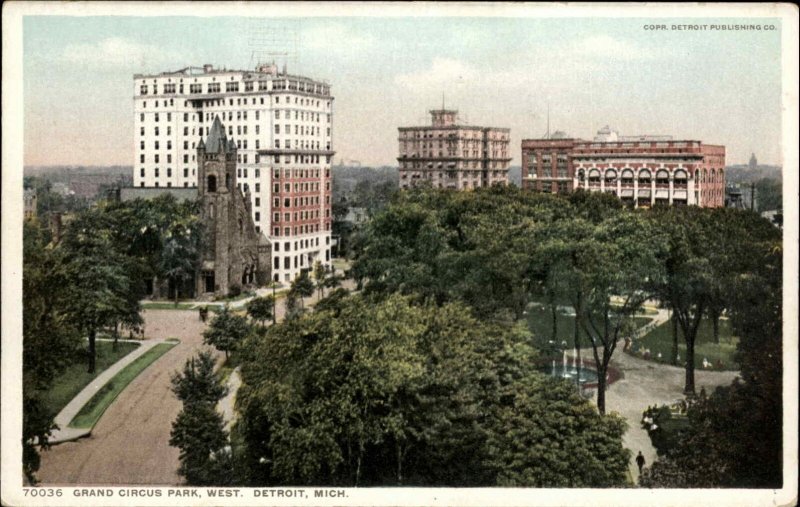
(680, 177)
(211, 185)
(594, 176)
(662, 178)
(627, 177)
(581, 175)
(611, 176)
(644, 177)
(241, 226)
(211, 210)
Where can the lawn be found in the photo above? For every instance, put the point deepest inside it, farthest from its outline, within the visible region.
(67, 385)
(94, 408)
(165, 305)
(660, 340)
(540, 322)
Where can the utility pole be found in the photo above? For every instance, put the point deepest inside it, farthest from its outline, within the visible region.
(752, 196)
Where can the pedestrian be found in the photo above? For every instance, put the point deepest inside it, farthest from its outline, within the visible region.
(640, 461)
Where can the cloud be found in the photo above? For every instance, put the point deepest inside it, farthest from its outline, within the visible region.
(115, 52)
(443, 73)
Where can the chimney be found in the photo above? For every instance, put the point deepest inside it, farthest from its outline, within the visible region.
(208, 68)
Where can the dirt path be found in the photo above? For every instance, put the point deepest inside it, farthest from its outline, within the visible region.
(130, 443)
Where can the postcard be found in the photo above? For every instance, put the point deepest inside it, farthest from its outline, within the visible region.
(399, 254)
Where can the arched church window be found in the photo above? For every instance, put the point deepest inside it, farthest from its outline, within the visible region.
(212, 183)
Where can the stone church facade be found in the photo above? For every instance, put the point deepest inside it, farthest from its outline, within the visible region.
(234, 254)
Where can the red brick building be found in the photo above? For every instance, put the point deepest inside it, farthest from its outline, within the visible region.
(642, 171)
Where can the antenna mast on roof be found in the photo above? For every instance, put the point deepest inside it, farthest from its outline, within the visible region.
(272, 43)
(547, 134)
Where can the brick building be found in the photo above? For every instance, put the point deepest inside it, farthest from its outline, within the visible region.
(450, 155)
(640, 170)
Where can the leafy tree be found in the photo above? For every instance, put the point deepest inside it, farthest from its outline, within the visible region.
(303, 287)
(320, 275)
(261, 309)
(717, 448)
(198, 431)
(610, 264)
(226, 331)
(390, 392)
(99, 276)
(50, 339)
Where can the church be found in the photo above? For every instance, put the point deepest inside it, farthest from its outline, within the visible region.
(234, 255)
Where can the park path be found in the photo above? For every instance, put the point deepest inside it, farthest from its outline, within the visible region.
(65, 433)
(226, 405)
(130, 442)
(647, 383)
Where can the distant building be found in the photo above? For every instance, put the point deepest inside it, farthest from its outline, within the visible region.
(356, 216)
(30, 201)
(640, 170)
(742, 196)
(451, 155)
(753, 161)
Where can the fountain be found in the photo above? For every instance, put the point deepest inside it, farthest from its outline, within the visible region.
(574, 369)
(553, 371)
(565, 373)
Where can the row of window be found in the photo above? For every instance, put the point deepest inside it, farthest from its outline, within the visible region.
(303, 215)
(303, 229)
(304, 243)
(300, 201)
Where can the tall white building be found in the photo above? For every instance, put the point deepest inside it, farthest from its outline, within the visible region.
(282, 125)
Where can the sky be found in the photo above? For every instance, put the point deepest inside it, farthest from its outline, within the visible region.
(721, 87)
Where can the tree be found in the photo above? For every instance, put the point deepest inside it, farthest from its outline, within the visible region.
(198, 383)
(718, 449)
(320, 275)
(101, 278)
(611, 268)
(226, 331)
(303, 287)
(50, 338)
(384, 391)
(198, 431)
(261, 309)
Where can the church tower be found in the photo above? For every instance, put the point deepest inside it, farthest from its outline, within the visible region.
(216, 185)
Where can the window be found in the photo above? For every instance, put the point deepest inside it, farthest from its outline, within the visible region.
(156, 172)
(213, 87)
(141, 158)
(141, 172)
(232, 87)
(143, 90)
(156, 158)
(196, 88)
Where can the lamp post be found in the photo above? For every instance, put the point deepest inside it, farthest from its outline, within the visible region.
(274, 303)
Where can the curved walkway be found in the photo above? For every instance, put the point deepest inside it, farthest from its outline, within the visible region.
(130, 442)
(65, 433)
(648, 383)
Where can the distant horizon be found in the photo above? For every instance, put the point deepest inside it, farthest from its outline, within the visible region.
(717, 87)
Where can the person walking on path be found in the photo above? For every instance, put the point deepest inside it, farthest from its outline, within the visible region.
(640, 462)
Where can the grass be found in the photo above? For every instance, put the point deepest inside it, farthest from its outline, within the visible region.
(94, 408)
(540, 322)
(164, 305)
(74, 378)
(660, 340)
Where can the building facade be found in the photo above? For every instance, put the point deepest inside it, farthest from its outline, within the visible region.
(282, 125)
(29, 203)
(640, 170)
(234, 253)
(449, 155)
